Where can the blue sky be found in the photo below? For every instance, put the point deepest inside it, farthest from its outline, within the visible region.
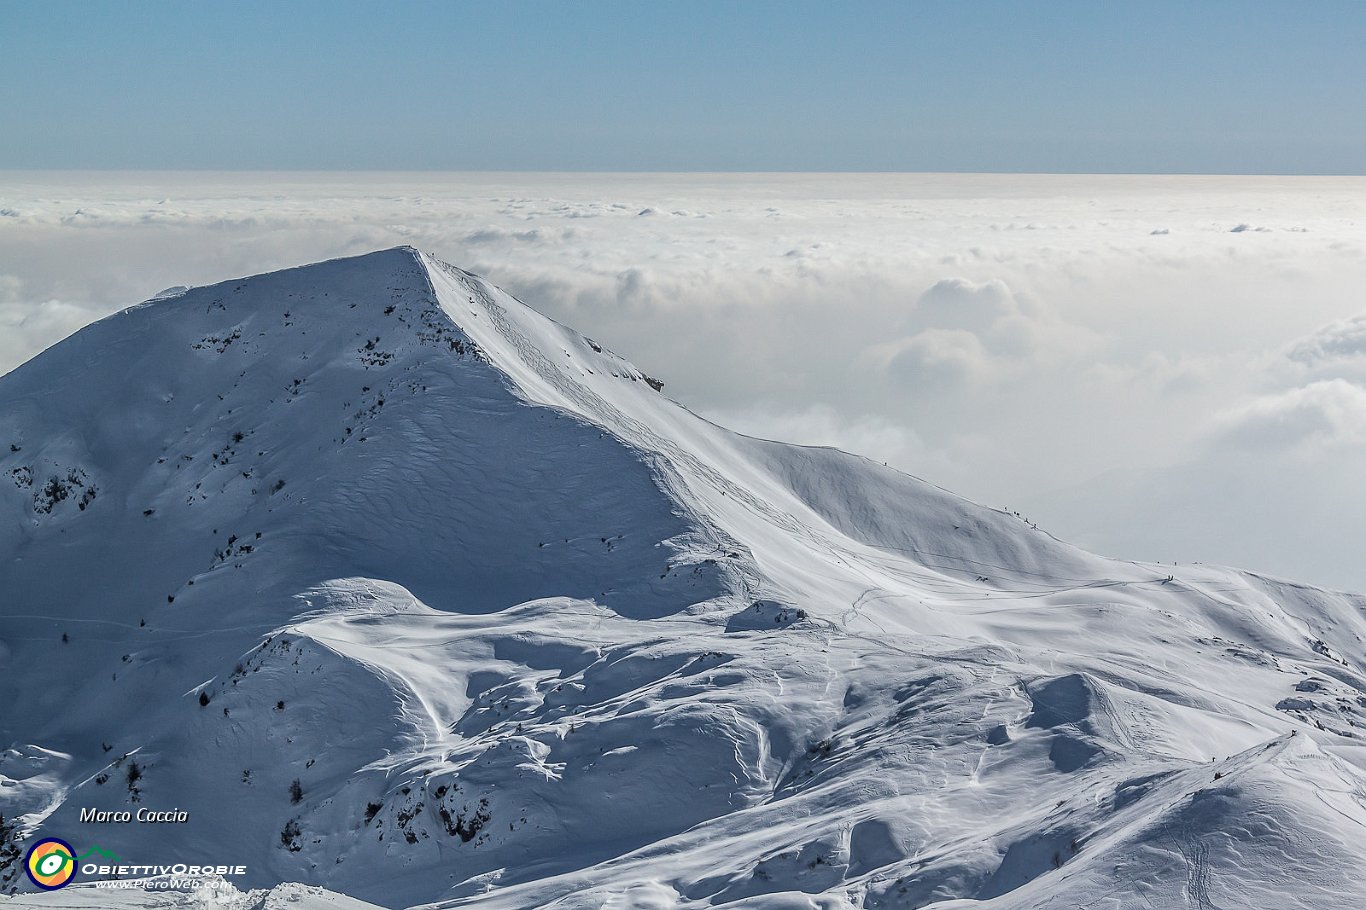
(1155, 87)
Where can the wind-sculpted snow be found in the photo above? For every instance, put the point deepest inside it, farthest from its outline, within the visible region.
(402, 590)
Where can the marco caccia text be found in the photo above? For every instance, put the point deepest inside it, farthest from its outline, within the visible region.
(145, 816)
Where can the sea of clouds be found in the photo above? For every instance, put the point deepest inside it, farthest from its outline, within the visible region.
(1168, 368)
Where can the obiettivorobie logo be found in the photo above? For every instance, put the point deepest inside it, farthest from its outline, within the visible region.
(52, 863)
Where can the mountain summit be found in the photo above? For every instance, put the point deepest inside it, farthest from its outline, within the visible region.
(395, 586)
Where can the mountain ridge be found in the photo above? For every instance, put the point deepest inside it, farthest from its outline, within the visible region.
(403, 589)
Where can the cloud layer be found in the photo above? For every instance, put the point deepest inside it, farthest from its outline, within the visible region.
(1077, 346)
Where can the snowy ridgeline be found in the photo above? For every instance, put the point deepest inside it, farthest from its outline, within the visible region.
(400, 589)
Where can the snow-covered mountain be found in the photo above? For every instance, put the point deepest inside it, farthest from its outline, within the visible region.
(398, 588)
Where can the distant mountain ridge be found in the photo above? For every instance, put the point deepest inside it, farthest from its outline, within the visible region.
(400, 588)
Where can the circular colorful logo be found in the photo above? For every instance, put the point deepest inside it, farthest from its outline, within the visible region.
(51, 863)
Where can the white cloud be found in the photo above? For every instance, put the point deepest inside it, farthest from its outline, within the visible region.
(1306, 420)
(959, 303)
(962, 331)
(937, 360)
(1342, 340)
(11, 289)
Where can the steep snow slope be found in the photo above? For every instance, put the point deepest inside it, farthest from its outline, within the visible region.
(528, 634)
